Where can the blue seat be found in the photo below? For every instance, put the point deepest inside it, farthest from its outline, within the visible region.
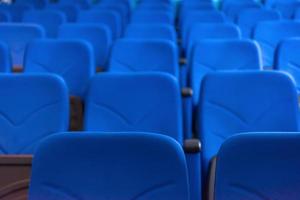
(287, 9)
(269, 34)
(196, 17)
(5, 59)
(221, 55)
(237, 102)
(250, 166)
(233, 9)
(128, 110)
(4, 16)
(193, 6)
(32, 108)
(141, 102)
(151, 31)
(83, 4)
(287, 59)
(16, 11)
(98, 35)
(128, 4)
(152, 17)
(38, 4)
(49, 19)
(107, 17)
(249, 18)
(211, 31)
(70, 59)
(272, 3)
(297, 14)
(17, 36)
(144, 55)
(109, 165)
(71, 11)
(119, 8)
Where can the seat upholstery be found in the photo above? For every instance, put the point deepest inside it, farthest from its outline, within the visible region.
(70, 59)
(16, 11)
(236, 102)
(130, 55)
(196, 17)
(49, 19)
(259, 165)
(71, 11)
(109, 166)
(148, 102)
(32, 107)
(287, 59)
(270, 34)
(249, 18)
(107, 17)
(211, 31)
(5, 59)
(98, 35)
(221, 55)
(152, 17)
(17, 36)
(151, 31)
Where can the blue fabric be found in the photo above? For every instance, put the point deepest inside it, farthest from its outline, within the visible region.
(109, 166)
(49, 19)
(152, 17)
(221, 55)
(287, 59)
(5, 59)
(269, 34)
(38, 4)
(259, 165)
(83, 4)
(16, 11)
(151, 31)
(237, 102)
(249, 18)
(32, 107)
(272, 3)
(187, 7)
(234, 9)
(107, 17)
(115, 102)
(71, 59)
(196, 17)
(210, 31)
(120, 8)
(17, 36)
(98, 35)
(71, 11)
(130, 55)
(287, 9)
(4, 16)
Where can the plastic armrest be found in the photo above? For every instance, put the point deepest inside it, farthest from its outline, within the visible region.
(211, 179)
(192, 148)
(76, 113)
(187, 107)
(182, 61)
(15, 172)
(186, 92)
(17, 69)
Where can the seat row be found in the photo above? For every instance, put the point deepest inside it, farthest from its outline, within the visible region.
(152, 166)
(131, 103)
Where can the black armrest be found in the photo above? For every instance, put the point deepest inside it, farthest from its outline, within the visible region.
(186, 92)
(182, 61)
(76, 113)
(192, 146)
